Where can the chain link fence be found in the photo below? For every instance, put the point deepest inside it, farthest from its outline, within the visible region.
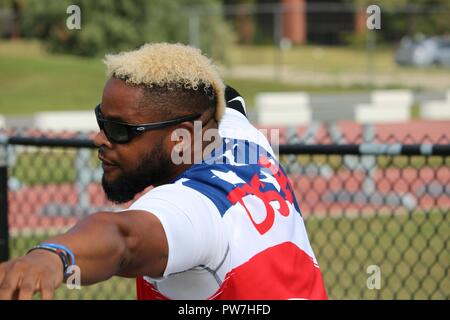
(376, 211)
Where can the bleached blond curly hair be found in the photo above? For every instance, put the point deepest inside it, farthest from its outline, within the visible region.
(168, 65)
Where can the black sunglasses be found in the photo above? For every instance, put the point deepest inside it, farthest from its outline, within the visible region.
(120, 132)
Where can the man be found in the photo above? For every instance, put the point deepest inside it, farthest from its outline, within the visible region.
(221, 222)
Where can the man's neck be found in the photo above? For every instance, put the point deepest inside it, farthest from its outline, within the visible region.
(195, 159)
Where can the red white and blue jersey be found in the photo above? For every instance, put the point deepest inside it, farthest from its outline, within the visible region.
(233, 226)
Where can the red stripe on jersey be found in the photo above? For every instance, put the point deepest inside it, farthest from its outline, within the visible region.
(280, 272)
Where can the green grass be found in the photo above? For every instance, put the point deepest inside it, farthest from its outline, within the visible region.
(336, 162)
(327, 59)
(411, 249)
(49, 165)
(56, 165)
(306, 58)
(415, 111)
(32, 80)
(250, 87)
(44, 167)
(116, 288)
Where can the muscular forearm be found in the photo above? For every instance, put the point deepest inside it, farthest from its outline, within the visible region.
(99, 243)
(130, 243)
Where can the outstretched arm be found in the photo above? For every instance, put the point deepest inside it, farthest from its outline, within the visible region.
(129, 244)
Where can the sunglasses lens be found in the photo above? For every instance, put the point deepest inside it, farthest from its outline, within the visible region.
(116, 132)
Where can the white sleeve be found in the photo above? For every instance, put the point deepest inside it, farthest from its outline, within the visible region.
(192, 224)
(235, 125)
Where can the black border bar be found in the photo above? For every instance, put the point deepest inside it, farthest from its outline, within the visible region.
(367, 149)
(423, 149)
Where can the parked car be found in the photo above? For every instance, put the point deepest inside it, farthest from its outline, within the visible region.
(421, 51)
(443, 55)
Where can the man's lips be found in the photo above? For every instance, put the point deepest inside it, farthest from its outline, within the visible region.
(107, 165)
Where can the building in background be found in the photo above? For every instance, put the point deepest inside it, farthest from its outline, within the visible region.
(299, 21)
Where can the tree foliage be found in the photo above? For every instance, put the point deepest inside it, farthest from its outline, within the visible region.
(402, 17)
(116, 25)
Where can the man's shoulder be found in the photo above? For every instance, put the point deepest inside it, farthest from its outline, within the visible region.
(170, 191)
(172, 199)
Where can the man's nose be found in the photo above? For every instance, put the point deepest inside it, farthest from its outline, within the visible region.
(100, 140)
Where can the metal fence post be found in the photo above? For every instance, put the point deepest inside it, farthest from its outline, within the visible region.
(84, 178)
(194, 29)
(277, 37)
(4, 232)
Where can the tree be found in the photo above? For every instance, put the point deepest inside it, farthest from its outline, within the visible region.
(111, 26)
(401, 17)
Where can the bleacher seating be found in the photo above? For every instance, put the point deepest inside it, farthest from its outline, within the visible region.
(283, 108)
(386, 106)
(66, 120)
(436, 110)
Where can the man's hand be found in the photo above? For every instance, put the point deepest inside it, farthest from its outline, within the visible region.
(128, 244)
(39, 271)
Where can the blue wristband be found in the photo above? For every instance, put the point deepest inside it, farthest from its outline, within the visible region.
(61, 247)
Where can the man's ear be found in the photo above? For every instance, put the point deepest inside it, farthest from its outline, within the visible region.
(185, 134)
(180, 144)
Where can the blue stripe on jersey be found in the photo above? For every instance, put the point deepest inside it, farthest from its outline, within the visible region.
(237, 160)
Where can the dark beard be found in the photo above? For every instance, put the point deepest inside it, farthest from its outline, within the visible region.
(153, 169)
